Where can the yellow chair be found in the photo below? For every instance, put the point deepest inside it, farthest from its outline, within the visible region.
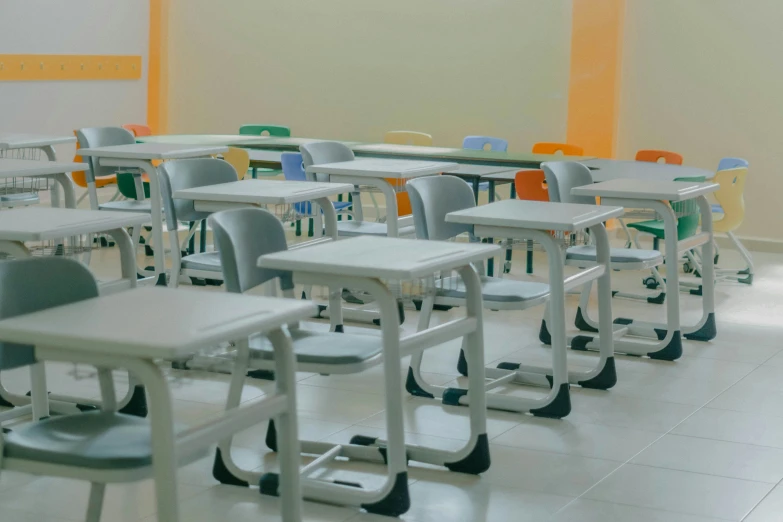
(730, 196)
(239, 159)
(408, 138)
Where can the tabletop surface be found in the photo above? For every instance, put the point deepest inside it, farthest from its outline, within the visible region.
(457, 154)
(152, 151)
(607, 169)
(10, 167)
(649, 189)
(480, 170)
(198, 139)
(383, 168)
(536, 215)
(262, 191)
(41, 223)
(285, 143)
(380, 257)
(21, 141)
(504, 175)
(177, 322)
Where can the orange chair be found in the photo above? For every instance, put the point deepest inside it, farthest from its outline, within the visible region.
(554, 148)
(655, 156)
(529, 185)
(138, 130)
(405, 138)
(80, 178)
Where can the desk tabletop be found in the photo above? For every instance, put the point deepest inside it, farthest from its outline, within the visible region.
(504, 175)
(646, 189)
(380, 257)
(383, 168)
(198, 139)
(480, 171)
(10, 167)
(285, 143)
(535, 215)
(607, 169)
(154, 151)
(264, 192)
(178, 323)
(42, 223)
(23, 141)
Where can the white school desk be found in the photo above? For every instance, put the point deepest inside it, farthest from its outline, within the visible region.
(374, 172)
(533, 220)
(182, 323)
(609, 169)
(42, 224)
(369, 263)
(656, 195)
(56, 170)
(140, 156)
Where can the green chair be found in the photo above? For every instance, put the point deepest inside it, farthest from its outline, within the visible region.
(262, 129)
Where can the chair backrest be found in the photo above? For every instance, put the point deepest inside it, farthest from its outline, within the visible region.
(239, 159)
(408, 138)
(30, 285)
(655, 156)
(730, 195)
(90, 137)
(562, 176)
(138, 130)
(531, 185)
(241, 237)
(293, 168)
(260, 129)
(432, 197)
(320, 152)
(558, 148)
(485, 143)
(732, 163)
(185, 174)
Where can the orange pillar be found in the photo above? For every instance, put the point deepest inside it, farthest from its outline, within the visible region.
(593, 93)
(157, 69)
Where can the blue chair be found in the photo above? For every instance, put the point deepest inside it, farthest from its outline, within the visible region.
(480, 143)
(293, 170)
(726, 164)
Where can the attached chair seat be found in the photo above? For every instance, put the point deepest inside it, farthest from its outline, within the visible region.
(717, 208)
(655, 227)
(495, 290)
(128, 205)
(94, 440)
(29, 197)
(205, 261)
(356, 228)
(621, 258)
(324, 348)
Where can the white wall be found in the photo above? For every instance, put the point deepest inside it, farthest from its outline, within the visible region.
(354, 69)
(73, 27)
(705, 78)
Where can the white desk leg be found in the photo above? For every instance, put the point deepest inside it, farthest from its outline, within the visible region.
(335, 294)
(127, 254)
(68, 192)
(561, 406)
(38, 391)
(705, 329)
(54, 193)
(392, 226)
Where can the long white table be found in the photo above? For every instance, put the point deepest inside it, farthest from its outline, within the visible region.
(609, 169)
(374, 172)
(141, 156)
(182, 323)
(656, 195)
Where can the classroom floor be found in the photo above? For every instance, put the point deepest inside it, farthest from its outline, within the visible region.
(696, 440)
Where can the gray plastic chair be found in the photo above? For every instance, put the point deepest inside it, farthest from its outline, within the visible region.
(432, 198)
(100, 447)
(321, 152)
(185, 174)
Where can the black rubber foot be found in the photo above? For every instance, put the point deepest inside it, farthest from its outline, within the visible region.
(417, 303)
(271, 436)
(397, 502)
(581, 323)
(605, 379)
(708, 332)
(161, 280)
(148, 251)
(543, 334)
(744, 272)
(697, 291)
(451, 396)
(477, 461)
(623, 320)
(509, 366)
(442, 308)
(213, 282)
(6, 430)
(462, 364)
(363, 440)
(221, 473)
(658, 299)
(558, 408)
(339, 329)
(650, 282)
(671, 352)
(264, 375)
(137, 406)
(180, 365)
(87, 407)
(580, 342)
(197, 281)
(400, 311)
(746, 280)
(5, 403)
(413, 387)
(268, 484)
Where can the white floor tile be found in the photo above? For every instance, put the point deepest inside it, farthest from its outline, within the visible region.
(584, 510)
(732, 426)
(770, 509)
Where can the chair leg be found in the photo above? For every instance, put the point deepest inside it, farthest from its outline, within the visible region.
(95, 505)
